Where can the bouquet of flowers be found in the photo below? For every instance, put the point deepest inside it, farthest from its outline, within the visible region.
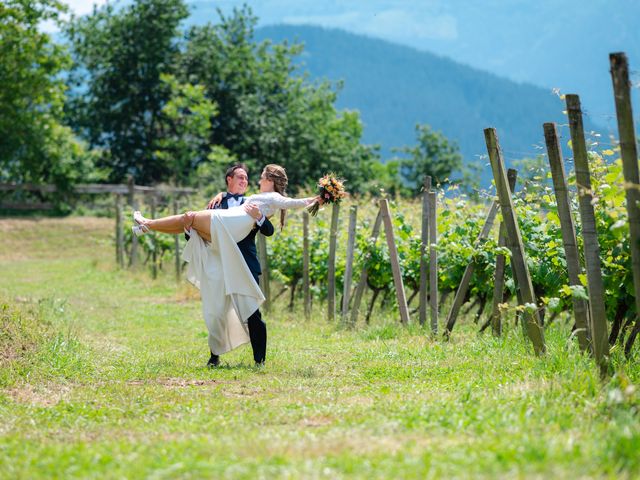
(330, 190)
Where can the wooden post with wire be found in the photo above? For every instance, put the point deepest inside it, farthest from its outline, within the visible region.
(395, 264)
(305, 264)
(264, 266)
(331, 268)
(154, 241)
(598, 316)
(531, 320)
(348, 271)
(362, 283)
(433, 263)
(569, 241)
(133, 254)
(501, 263)
(424, 272)
(629, 153)
(176, 244)
(119, 232)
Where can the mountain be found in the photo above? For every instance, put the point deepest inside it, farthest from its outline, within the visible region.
(395, 87)
(548, 43)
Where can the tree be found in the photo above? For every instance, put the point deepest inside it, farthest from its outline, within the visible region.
(267, 112)
(188, 123)
(34, 146)
(434, 156)
(118, 93)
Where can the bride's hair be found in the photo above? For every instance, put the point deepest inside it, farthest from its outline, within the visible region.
(278, 176)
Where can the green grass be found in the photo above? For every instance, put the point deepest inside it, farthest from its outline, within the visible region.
(112, 384)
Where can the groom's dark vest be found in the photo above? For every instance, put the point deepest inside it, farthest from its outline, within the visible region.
(247, 245)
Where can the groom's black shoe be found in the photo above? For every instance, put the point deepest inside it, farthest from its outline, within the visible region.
(214, 361)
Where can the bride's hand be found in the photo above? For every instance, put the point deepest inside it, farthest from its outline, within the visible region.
(215, 201)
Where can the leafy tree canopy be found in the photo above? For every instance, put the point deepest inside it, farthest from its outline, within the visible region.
(433, 156)
(34, 146)
(268, 113)
(118, 94)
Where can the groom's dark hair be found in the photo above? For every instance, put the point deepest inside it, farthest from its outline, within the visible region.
(231, 171)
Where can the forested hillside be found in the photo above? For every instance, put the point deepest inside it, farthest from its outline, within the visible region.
(396, 87)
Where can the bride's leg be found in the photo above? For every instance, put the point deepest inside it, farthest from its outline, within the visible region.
(172, 224)
(201, 223)
(176, 224)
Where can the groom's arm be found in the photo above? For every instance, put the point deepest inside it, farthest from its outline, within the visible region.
(262, 222)
(266, 228)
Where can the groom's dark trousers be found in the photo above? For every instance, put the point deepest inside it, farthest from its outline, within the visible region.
(247, 246)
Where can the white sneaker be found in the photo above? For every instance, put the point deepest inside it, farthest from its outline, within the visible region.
(139, 230)
(138, 218)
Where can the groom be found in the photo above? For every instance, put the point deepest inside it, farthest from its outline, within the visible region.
(237, 180)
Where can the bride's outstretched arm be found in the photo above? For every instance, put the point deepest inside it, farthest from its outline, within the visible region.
(284, 203)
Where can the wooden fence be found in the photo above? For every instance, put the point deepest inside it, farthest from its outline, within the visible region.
(131, 191)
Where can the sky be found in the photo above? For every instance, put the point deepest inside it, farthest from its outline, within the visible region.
(82, 7)
(408, 22)
(402, 21)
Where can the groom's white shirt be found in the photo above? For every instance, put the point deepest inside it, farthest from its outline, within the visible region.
(234, 202)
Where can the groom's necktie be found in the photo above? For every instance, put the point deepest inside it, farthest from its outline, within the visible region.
(235, 196)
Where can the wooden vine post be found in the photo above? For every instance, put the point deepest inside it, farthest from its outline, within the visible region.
(395, 264)
(176, 244)
(424, 269)
(119, 232)
(501, 262)
(433, 264)
(305, 264)
(598, 317)
(154, 240)
(569, 241)
(331, 273)
(531, 323)
(265, 280)
(133, 254)
(348, 272)
(629, 153)
(362, 283)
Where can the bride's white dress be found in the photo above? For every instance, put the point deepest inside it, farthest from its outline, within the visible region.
(229, 292)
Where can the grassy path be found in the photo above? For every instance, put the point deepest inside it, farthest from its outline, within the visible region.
(117, 387)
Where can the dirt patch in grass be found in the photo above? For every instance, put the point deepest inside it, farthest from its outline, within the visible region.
(39, 395)
(177, 382)
(316, 421)
(242, 391)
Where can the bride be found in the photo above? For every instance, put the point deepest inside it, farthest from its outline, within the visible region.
(228, 289)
